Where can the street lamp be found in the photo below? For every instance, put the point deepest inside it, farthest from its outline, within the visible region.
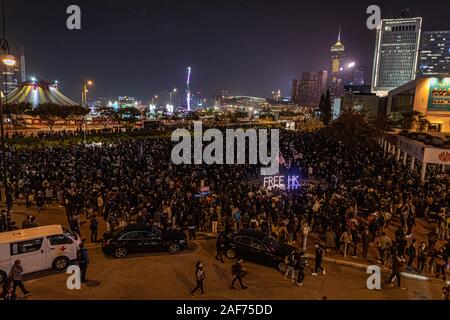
(84, 103)
(8, 61)
(170, 95)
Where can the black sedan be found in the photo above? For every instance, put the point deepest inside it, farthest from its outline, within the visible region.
(255, 246)
(140, 238)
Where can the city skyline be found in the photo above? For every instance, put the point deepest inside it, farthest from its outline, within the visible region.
(248, 57)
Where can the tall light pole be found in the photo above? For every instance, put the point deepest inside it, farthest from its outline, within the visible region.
(84, 103)
(8, 61)
(188, 89)
(170, 95)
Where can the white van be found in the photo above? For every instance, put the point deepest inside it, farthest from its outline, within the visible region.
(38, 249)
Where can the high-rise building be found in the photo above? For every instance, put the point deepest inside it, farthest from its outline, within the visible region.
(23, 73)
(434, 57)
(335, 80)
(12, 76)
(396, 53)
(311, 86)
(357, 76)
(294, 91)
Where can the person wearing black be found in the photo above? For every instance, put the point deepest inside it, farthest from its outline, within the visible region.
(412, 252)
(365, 239)
(199, 277)
(318, 260)
(94, 229)
(422, 257)
(300, 264)
(83, 261)
(219, 247)
(396, 265)
(238, 272)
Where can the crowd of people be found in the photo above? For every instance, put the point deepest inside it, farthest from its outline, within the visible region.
(352, 198)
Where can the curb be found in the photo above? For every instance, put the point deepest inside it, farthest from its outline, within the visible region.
(383, 269)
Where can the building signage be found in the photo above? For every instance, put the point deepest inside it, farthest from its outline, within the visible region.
(413, 149)
(437, 156)
(439, 96)
(282, 182)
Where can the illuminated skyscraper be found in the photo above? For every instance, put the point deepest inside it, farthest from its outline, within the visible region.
(396, 53)
(434, 58)
(335, 81)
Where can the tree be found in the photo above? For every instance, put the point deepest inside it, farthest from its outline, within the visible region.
(351, 128)
(16, 112)
(414, 119)
(78, 113)
(382, 122)
(325, 108)
(106, 114)
(48, 112)
(129, 115)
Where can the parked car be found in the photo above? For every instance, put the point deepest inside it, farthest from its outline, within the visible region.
(256, 246)
(140, 238)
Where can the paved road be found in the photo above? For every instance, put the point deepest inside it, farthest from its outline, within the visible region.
(162, 276)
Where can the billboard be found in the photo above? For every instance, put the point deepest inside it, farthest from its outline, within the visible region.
(439, 96)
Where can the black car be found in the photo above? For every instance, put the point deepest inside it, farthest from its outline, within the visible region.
(255, 246)
(140, 238)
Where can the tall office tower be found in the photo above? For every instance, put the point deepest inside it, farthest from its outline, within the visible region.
(306, 89)
(294, 91)
(434, 57)
(311, 87)
(23, 73)
(11, 74)
(396, 54)
(357, 77)
(335, 81)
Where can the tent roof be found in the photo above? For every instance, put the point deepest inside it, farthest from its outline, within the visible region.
(38, 92)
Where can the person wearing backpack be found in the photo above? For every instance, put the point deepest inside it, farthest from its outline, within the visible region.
(397, 263)
(290, 266)
(300, 264)
(16, 277)
(199, 277)
(238, 272)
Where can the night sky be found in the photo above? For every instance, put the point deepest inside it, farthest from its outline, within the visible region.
(248, 47)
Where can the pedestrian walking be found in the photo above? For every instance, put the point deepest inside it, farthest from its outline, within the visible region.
(300, 265)
(93, 226)
(238, 273)
(83, 261)
(220, 243)
(290, 266)
(397, 263)
(319, 252)
(16, 277)
(199, 278)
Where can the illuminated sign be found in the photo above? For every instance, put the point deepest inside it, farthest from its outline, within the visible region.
(439, 96)
(293, 182)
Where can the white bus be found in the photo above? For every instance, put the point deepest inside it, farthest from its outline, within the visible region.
(38, 249)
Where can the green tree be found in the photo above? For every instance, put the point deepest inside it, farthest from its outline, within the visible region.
(127, 115)
(414, 119)
(48, 112)
(78, 113)
(325, 108)
(16, 112)
(105, 114)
